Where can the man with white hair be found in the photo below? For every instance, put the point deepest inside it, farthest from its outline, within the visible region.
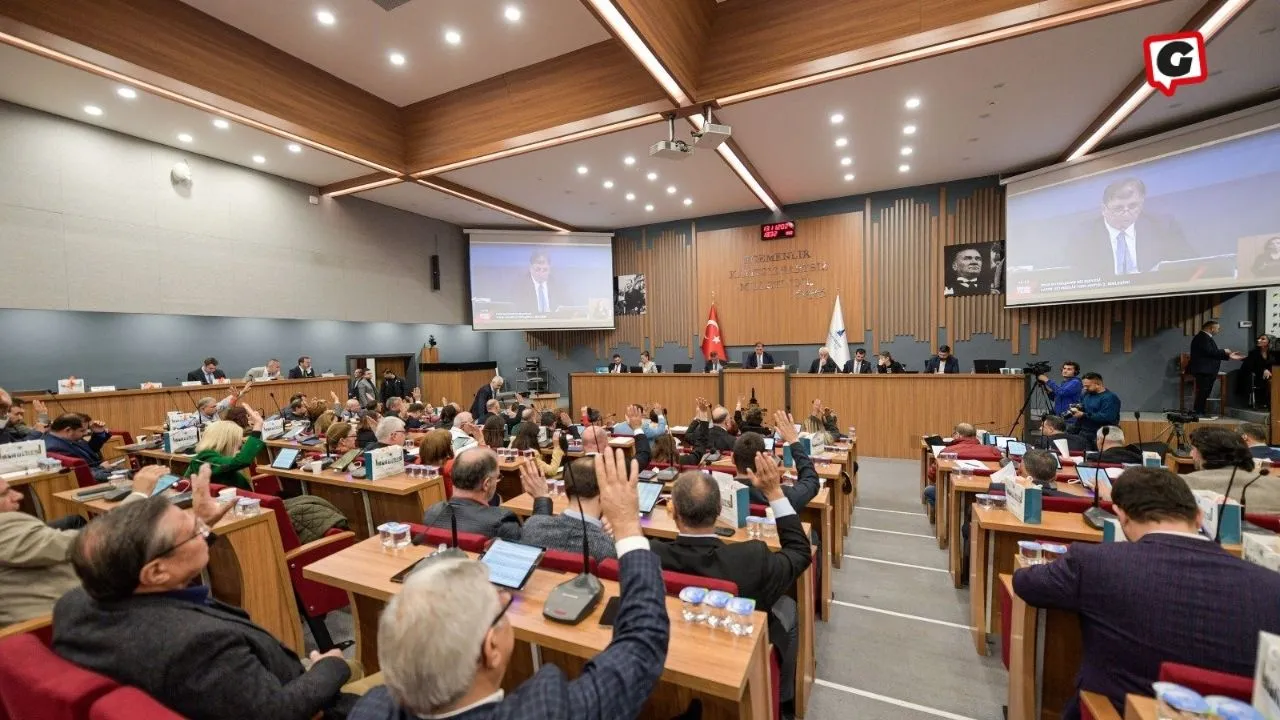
(824, 364)
(464, 431)
(1112, 448)
(430, 632)
(485, 394)
(390, 431)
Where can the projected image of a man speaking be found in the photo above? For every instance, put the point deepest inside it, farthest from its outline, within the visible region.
(1124, 240)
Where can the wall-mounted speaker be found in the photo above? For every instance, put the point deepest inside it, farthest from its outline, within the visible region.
(435, 272)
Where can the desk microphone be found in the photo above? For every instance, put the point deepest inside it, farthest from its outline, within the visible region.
(573, 600)
(279, 412)
(176, 407)
(1264, 470)
(1095, 517)
(1226, 498)
(199, 415)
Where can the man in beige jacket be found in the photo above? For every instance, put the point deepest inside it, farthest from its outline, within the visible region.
(34, 567)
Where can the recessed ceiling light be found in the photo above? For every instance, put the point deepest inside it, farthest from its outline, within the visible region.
(259, 159)
(648, 208)
(846, 161)
(631, 196)
(453, 37)
(628, 160)
(671, 189)
(848, 177)
(906, 151)
(127, 93)
(652, 176)
(841, 142)
(904, 168)
(913, 103)
(184, 138)
(836, 118)
(688, 201)
(295, 148)
(909, 130)
(582, 169)
(324, 17)
(512, 13)
(221, 124)
(395, 58)
(93, 110)
(608, 184)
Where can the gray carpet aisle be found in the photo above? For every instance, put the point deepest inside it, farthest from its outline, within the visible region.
(897, 646)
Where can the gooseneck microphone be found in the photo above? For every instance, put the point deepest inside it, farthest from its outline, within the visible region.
(275, 402)
(573, 600)
(1095, 517)
(1226, 498)
(196, 404)
(1264, 470)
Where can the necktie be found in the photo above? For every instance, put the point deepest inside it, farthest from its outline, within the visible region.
(208, 378)
(1124, 261)
(543, 305)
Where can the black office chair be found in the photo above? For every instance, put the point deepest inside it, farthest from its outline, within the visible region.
(681, 368)
(636, 369)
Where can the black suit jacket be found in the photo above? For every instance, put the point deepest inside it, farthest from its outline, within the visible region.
(525, 297)
(851, 367)
(197, 375)
(1164, 598)
(1075, 443)
(707, 438)
(392, 388)
(619, 368)
(892, 368)
(1158, 239)
(483, 396)
(931, 365)
(1206, 358)
(296, 373)
(760, 573)
(752, 364)
(829, 367)
(707, 366)
(206, 662)
(804, 489)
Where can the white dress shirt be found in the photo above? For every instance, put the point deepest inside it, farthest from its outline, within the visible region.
(1131, 242)
(540, 292)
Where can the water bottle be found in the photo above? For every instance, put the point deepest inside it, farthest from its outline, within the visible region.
(739, 611)
(692, 609)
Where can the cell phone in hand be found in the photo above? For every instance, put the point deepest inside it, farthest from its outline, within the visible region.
(610, 611)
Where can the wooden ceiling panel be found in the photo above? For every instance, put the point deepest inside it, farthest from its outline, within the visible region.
(194, 50)
(676, 31)
(597, 85)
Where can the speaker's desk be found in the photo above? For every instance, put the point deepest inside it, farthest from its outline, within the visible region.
(729, 674)
(456, 382)
(246, 567)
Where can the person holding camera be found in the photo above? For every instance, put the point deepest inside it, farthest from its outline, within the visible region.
(1097, 407)
(1066, 393)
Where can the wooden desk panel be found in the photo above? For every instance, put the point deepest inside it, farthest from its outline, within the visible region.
(770, 387)
(458, 386)
(365, 503)
(612, 393)
(891, 412)
(134, 410)
(38, 490)
(1049, 640)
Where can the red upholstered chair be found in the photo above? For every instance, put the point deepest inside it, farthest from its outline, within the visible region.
(570, 562)
(1270, 522)
(40, 628)
(433, 536)
(1208, 682)
(1006, 623)
(84, 476)
(35, 684)
(315, 600)
(264, 483)
(129, 703)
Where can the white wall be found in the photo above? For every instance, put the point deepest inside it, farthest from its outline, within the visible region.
(89, 221)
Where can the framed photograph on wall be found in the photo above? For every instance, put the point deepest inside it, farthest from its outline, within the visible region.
(629, 295)
(973, 269)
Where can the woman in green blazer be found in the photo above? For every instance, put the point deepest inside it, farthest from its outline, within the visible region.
(228, 451)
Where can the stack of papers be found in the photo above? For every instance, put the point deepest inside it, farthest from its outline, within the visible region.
(975, 464)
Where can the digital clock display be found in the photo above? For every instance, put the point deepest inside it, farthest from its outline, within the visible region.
(775, 231)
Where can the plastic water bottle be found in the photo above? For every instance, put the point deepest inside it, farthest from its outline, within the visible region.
(739, 611)
(692, 609)
(716, 602)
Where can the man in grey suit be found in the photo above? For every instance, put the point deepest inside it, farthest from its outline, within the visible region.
(270, 371)
(564, 531)
(475, 481)
(138, 620)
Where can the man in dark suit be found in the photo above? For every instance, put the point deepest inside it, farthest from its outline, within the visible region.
(448, 617)
(823, 364)
(475, 481)
(1206, 362)
(138, 620)
(66, 436)
(302, 370)
(1053, 428)
(761, 574)
(485, 394)
(759, 358)
(535, 290)
(616, 365)
(207, 372)
(944, 363)
(750, 444)
(859, 364)
(714, 364)
(1124, 241)
(967, 274)
(1167, 595)
(713, 437)
(392, 386)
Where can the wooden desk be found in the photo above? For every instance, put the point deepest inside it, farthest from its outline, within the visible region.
(134, 410)
(735, 685)
(612, 393)
(770, 387)
(177, 462)
(1045, 649)
(246, 567)
(368, 503)
(892, 411)
(1137, 707)
(942, 498)
(545, 401)
(458, 382)
(38, 489)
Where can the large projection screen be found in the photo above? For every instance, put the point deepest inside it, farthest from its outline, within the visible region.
(1189, 212)
(524, 280)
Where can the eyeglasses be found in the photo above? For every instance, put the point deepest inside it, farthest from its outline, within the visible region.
(202, 531)
(506, 606)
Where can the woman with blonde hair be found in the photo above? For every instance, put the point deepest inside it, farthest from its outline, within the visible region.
(227, 450)
(340, 437)
(527, 439)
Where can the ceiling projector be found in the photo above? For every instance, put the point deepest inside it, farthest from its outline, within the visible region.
(710, 137)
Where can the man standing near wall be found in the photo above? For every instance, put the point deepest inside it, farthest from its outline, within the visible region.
(1206, 362)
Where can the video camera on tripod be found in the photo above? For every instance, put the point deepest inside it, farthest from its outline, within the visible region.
(1179, 417)
(1040, 367)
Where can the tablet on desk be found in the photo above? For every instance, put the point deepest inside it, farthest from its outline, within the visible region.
(649, 492)
(511, 564)
(1089, 476)
(349, 457)
(164, 483)
(1013, 447)
(285, 459)
(311, 441)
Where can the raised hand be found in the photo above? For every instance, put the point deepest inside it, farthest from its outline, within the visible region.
(532, 479)
(203, 504)
(619, 501)
(144, 481)
(767, 477)
(785, 426)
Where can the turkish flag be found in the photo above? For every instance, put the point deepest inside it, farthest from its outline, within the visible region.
(711, 339)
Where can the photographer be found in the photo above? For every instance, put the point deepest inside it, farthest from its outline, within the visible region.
(1097, 407)
(1066, 393)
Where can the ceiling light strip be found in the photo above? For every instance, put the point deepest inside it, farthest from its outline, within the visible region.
(542, 144)
(1208, 29)
(746, 176)
(177, 97)
(366, 186)
(622, 28)
(492, 206)
(939, 49)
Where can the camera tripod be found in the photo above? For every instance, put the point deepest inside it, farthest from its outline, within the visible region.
(1037, 400)
(1175, 430)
